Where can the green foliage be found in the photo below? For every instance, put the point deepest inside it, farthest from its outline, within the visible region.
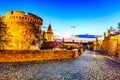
(111, 28)
(118, 27)
(119, 24)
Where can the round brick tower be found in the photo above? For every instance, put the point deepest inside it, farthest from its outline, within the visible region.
(24, 30)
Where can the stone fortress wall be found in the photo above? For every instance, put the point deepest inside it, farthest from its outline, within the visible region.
(110, 45)
(37, 55)
(23, 30)
(24, 35)
(18, 16)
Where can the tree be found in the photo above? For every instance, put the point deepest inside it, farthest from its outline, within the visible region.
(112, 30)
(3, 33)
(119, 24)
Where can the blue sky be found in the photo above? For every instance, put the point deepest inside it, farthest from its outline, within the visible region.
(70, 17)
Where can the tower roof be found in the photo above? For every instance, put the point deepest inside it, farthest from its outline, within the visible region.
(50, 29)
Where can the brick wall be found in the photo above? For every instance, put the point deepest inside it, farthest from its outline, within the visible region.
(32, 55)
(110, 47)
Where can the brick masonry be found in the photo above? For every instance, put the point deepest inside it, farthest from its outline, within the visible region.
(36, 55)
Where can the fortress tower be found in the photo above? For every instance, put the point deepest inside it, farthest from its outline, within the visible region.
(24, 30)
(108, 33)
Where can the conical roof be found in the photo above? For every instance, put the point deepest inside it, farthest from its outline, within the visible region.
(50, 29)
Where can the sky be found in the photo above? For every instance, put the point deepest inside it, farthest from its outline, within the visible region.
(70, 17)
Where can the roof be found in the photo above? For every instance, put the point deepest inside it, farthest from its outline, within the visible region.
(53, 44)
(50, 29)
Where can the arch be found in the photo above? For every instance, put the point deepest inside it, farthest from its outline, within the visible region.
(16, 17)
(25, 18)
(31, 20)
(19, 17)
(22, 18)
(28, 19)
(37, 21)
(34, 20)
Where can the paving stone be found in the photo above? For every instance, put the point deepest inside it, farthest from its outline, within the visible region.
(89, 66)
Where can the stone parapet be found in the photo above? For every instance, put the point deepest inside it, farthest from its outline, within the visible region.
(36, 55)
(18, 16)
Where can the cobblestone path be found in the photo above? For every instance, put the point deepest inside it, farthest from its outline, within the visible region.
(88, 66)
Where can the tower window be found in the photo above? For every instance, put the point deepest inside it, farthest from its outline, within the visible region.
(16, 17)
(19, 17)
(22, 18)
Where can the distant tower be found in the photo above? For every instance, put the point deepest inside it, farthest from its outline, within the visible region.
(63, 40)
(73, 41)
(80, 42)
(49, 29)
(108, 33)
(50, 35)
(97, 38)
(104, 35)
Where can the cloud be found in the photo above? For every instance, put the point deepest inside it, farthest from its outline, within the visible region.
(86, 36)
(72, 26)
(78, 38)
(44, 27)
(58, 38)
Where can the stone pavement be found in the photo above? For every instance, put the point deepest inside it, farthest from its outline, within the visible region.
(88, 66)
